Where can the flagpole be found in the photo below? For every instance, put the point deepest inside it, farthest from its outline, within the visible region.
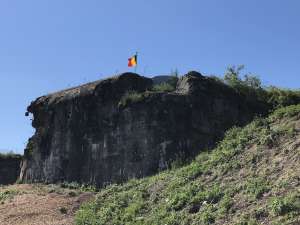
(135, 68)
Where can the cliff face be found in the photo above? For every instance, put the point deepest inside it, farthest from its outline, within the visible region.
(9, 169)
(85, 135)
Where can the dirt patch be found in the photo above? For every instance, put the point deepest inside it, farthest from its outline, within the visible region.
(40, 205)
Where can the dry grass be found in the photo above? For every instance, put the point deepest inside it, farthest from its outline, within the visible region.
(40, 205)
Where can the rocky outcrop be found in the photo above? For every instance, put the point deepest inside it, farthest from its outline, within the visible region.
(85, 134)
(9, 168)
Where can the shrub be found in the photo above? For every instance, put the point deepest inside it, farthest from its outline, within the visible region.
(226, 204)
(77, 186)
(214, 194)
(283, 205)
(247, 221)
(7, 194)
(232, 76)
(169, 85)
(179, 198)
(208, 216)
(256, 187)
(282, 97)
(250, 86)
(163, 87)
(70, 185)
(130, 97)
(28, 152)
(174, 78)
(288, 111)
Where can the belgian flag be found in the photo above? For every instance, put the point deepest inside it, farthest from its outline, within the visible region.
(132, 61)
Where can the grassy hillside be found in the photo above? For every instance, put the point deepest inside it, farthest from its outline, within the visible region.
(251, 177)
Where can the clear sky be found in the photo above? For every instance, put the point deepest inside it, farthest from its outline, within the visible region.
(48, 45)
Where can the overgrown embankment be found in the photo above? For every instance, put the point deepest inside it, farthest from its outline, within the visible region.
(251, 177)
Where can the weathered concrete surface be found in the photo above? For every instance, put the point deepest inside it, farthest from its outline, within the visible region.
(9, 169)
(83, 134)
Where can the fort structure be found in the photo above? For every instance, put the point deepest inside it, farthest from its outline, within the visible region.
(119, 128)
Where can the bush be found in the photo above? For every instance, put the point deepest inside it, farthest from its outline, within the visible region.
(76, 186)
(28, 152)
(247, 221)
(7, 194)
(163, 87)
(289, 111)
(232, 76)
(257, 187)
(226, 204)
(208, 216)
(169, 85)
(131, 97)
(282, 97)
(282, 205)
(70, 185)
(250, 86)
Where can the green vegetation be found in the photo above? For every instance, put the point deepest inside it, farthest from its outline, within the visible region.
(134, 97)
(246, 179)
(169, 85)
(77, 186)
(248, 85)
(163, 87)
(28, 152)
(251, 86)
(284, 205)
(257, 187)
(290, 111)
(10, 154)
(131, 97)
(7, 194)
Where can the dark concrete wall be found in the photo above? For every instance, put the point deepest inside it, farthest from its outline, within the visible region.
(84, 134)
(9, 169)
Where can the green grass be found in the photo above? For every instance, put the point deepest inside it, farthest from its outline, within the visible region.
(8, 194)
(79, 187)
(248, 86)
(163, 87)
(10, 155)
(289, 111)
(233, 184)
(251, 87)
(284, 205)
(131, 97)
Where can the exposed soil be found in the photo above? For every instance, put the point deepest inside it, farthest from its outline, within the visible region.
(41, 205)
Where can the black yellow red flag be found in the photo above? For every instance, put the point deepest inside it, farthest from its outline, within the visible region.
(132, 61)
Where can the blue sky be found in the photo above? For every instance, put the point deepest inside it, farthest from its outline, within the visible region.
(51, 45)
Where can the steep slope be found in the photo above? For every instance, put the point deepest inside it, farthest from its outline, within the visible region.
(251, 177)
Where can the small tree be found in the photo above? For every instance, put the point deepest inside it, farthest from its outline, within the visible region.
(252, 81)
(232, 76)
